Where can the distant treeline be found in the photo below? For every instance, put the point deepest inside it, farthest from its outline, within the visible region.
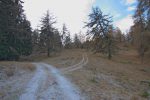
(18, 39)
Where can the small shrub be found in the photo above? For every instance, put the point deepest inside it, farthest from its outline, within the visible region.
(93, 80)
(9, 72)
(8, 53)
(126, 62)
(31, 67)
(145, 94)
(28, 66)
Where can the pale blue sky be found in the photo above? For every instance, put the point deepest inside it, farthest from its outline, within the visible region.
(117, 8)
(121, 10)
(75, 12)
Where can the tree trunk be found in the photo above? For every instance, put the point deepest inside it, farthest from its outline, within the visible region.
(48, 47)
(142, 41)
(109, 49)
(48, 52)
(142, 49)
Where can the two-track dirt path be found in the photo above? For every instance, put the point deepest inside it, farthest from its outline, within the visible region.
(77, 66)
(48, 83)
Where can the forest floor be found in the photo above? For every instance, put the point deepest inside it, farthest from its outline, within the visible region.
(93, 75)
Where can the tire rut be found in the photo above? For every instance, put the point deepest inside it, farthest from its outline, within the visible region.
(33, 86)
(75, 67)
(48, 83)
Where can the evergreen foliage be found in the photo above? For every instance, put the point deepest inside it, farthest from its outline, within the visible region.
(15, 31)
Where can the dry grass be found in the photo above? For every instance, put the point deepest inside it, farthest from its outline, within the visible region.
(102, 78)
(131, 55)
(28, 66)
(13, 76)
(11, 68)
(65, 59)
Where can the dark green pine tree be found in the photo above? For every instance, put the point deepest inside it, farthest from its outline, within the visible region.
(68, 41)
(77, 42)
(47, 33)
(25, 38)
(13, 30)
(35, 40)
(64, 33)
(57, 41)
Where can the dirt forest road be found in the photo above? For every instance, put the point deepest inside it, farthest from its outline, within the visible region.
(48, 83)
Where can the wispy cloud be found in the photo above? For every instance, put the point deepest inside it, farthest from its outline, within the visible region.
(125, 23)
(131, 8)
(129, 2)
(117, 16)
